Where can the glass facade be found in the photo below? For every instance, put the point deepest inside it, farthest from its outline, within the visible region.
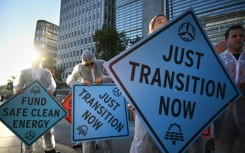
(46, 38)
(129, 18)
(79, 19)
(215, 15)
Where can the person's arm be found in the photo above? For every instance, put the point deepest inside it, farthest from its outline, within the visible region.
(74, 76)
(19, 83)
(105, 76)
(51, 84)
(132, 109)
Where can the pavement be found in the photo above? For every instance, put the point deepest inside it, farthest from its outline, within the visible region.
(9, 143)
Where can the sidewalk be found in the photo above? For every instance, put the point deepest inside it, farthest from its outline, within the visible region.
(9, 143)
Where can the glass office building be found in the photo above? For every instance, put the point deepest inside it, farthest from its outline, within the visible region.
(46, 39)
(129, 18)
(215, 15)
(79, 19)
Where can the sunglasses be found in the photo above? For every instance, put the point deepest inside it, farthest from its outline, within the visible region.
(88, 64)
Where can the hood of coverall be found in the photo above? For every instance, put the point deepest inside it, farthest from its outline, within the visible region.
(88, 56)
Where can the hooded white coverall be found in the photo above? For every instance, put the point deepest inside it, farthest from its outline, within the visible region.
(231, 124)
(27, 77)
(82, 72)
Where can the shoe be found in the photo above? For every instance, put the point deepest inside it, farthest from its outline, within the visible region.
(52, 151)
(96, 146)
(77, 145)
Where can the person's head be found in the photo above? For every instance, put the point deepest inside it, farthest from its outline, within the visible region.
(88, 59)
(234, 38)
(156, 22)
(36, 59)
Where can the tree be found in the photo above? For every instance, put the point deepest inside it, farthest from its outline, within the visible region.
(58, 77)
(135, 40)
(49, 63)
(9, 85)
(109, 43)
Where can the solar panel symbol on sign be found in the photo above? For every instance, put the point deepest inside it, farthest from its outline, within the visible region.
(83, 130)
(174, 134)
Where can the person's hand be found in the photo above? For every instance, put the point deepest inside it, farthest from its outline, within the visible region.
(230, 106)
(50, 92)
(131, 108)
(98, 80)
(87, 83)
(241, 85)
(19, 91)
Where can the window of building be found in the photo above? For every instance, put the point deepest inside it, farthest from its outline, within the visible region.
(41, 46)
(40, 32)
(40, 39)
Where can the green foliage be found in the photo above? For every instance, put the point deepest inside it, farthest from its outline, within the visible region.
(48, 62)
(9, 85)
(135, 40)
(109, 43)
(58, 78)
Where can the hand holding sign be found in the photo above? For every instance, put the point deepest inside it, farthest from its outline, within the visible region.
(19, 91)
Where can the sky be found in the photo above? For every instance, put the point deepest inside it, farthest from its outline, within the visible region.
(17, 31)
